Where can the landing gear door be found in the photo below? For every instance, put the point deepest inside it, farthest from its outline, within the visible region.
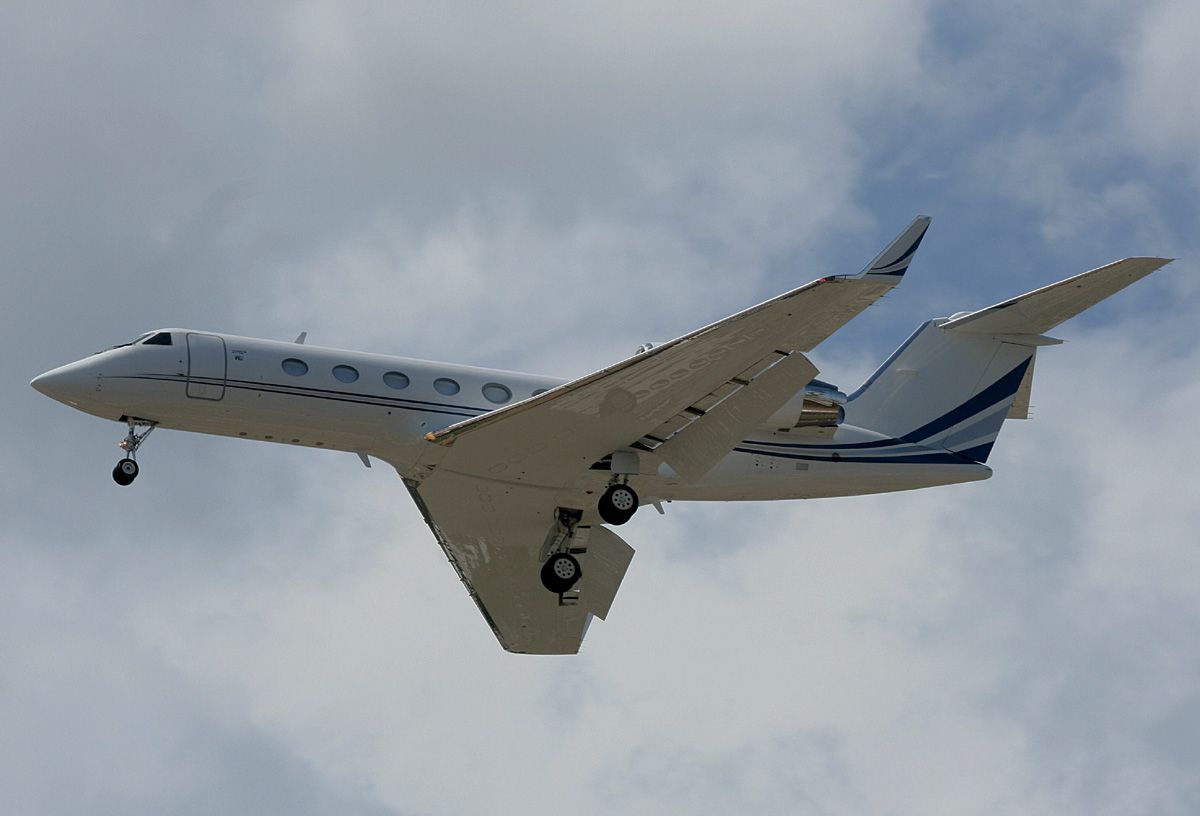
(206, 366)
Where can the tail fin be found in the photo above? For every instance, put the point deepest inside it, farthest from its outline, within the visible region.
(954, 382)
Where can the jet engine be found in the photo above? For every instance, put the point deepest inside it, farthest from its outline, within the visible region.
(819, 405)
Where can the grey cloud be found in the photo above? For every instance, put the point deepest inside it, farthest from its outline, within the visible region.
(96, 722)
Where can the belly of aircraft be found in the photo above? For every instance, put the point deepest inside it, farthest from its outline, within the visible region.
(757, 477)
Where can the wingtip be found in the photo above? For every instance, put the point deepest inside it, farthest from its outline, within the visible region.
(894, 260)
(1148, 262)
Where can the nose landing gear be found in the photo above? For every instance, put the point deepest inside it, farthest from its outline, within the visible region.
(127, 469)
(125, 472)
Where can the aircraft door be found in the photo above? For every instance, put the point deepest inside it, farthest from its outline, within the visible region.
(206, 366)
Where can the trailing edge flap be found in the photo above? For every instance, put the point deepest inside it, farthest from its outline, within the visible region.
(699, 446)
(604, 565)
(1036, 312)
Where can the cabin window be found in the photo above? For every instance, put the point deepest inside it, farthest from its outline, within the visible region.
(345, 373)
(160, 339)
(497, 393)
(394, 379)
(297, 368)
(446, 386)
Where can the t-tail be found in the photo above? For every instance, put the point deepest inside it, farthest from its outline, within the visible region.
(952, 384)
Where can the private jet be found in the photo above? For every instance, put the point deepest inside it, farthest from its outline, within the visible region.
(521, 478)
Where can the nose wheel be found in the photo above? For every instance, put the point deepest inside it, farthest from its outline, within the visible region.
(618, 504)
(125, 472)
(127, 469)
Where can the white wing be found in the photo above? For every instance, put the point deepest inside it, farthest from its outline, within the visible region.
(490, 486)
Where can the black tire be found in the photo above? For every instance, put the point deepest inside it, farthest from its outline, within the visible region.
(123, 474)
(618, 504)
(561, 572)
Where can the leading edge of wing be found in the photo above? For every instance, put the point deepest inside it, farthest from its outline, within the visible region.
(883, 273)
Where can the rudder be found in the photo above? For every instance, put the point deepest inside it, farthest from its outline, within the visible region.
(944, 389)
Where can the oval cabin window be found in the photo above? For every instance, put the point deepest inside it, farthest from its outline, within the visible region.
(446, 386)
(345, 373)
(297, 368)
(394, 379)
(497, 393)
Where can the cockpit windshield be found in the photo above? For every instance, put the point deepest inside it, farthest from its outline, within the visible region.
(148, 339)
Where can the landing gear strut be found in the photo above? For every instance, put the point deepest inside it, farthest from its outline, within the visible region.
(618, 504)
(560, 570)
(127, 469)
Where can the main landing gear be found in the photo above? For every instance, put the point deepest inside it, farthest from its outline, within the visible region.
(618, 504)
(560, 572)
(127, 469)
(560, 568)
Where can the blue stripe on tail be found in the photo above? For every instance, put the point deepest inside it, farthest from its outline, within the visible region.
(986, 428)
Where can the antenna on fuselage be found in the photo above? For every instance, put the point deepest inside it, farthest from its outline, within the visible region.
(300, 337)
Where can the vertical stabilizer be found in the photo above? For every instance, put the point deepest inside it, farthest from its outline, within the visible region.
(944, 390)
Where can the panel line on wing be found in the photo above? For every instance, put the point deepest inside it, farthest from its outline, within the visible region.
(678, 423)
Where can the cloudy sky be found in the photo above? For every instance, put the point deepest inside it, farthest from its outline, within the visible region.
(543, 187)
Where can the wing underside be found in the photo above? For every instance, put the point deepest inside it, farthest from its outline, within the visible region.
(496, 537)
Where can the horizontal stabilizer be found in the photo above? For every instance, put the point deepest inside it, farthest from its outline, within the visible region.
(1039, 311)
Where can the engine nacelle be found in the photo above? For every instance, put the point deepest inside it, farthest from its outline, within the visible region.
(819, 405)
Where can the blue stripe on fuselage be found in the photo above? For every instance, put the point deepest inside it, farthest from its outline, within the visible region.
(929, 457)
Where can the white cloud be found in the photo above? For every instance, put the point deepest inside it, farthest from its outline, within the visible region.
(1160, 110)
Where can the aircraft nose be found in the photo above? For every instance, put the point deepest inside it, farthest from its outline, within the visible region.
(69, 383)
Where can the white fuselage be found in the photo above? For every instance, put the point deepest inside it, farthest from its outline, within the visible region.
(383, 406)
